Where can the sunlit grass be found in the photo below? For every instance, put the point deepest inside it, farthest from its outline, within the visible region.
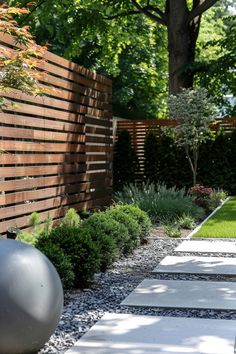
(222, 224)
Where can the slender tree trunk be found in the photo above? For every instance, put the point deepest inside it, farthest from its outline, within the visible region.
(193, 163)
(182, 37)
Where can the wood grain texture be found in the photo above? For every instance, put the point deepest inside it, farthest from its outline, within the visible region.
(55, 214)
(32, 183)
(55, 150)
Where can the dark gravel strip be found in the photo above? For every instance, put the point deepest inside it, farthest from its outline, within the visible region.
(84, 308)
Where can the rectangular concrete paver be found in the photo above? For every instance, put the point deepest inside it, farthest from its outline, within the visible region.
(197, 265)
(184, 294)
(131, 334)
(207, 246)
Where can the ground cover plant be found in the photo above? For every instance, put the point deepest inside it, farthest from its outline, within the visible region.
(162, 204)
(222, 224)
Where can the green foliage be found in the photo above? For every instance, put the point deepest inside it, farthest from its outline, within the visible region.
(216, 58)
(171, 230)
(140, 216)
(109, 235)
(216, 198)
(132, 50)
(160, 203)
(186, 221)
(216, 165)
(18, 68)
(79, 247)
(124, 161)
(37, 229)
(194, 110)
(27, 237)
(71, 219)
(60, 260)
(134, 229)
(82, 32)
(167, 158)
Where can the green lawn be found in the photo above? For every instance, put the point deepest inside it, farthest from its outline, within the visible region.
(222, 223)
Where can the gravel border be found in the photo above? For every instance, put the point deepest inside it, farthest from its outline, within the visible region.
(83, 308)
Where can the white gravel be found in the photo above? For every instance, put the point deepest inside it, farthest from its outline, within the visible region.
(83, 308)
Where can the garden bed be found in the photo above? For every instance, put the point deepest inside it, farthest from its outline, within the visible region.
(84, 308)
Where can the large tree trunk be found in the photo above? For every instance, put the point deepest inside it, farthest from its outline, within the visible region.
(182, 37)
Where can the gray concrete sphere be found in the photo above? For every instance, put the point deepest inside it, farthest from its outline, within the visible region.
(31, 298)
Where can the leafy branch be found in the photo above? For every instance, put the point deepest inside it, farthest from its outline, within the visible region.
(18, 64)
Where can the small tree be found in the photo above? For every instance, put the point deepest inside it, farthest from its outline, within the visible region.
(194, 110)
(18, 66)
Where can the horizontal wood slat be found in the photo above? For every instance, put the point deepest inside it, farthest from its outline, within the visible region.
(41, 170)
(9, 132)
(13, 145)
(54, 113)
(56, 103)
(49, 203)
(19, 197)
(26, 121)
(55, 213)
(55, 150)
(46, 158)
(40, 182)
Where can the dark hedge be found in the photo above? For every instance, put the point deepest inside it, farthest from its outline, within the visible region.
(165, 162)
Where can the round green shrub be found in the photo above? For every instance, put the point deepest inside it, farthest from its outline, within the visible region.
(134, 229)
(79, 247)
(109, 235)
(106, 246)
(60, 261)
(140, 216)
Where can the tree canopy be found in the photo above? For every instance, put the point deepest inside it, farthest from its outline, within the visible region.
(128, 40)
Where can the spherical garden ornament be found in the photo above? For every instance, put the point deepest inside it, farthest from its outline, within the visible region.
(31, 298)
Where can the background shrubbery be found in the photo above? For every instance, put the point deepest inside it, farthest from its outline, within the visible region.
(161, 203)
(165, 162)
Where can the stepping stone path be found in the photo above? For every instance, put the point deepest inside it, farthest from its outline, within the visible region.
(133, 334)
(207, 247)
(197, 265)
(184, 294)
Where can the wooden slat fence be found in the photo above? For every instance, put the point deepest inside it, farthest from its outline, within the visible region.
(139, 128)
(56, 150)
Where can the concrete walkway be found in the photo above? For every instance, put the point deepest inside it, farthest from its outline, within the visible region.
(132, 334)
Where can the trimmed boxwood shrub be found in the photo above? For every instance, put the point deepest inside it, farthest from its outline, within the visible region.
(79, 247)
(60, 260)
(134, 229)
(109, 236)
(140, 216)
